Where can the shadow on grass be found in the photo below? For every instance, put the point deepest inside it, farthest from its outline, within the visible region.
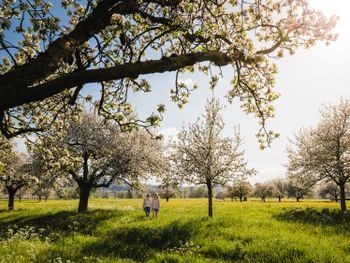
(140, 242)
(326, 217)
(62, 222)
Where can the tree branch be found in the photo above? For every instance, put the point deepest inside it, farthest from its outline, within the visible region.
(13, 98)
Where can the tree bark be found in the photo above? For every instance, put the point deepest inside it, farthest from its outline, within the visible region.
(241, 198)
(279, 199)
(167, 199)
(84, 192)
(11, 201)
(210, 199)
(15, 97)
(129, 193)
(342, 197)
(298, 199)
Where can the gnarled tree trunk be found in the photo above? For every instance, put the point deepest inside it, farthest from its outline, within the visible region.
(84, 193)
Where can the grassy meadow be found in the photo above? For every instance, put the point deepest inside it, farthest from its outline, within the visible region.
(116, 230)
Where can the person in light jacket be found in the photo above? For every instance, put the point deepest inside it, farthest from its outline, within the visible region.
(147, 203)
(155, 205)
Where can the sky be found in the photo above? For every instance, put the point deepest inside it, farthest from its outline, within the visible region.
(305, 81)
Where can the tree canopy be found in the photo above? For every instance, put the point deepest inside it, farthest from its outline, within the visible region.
(201, 155)
(95, 154)
(50, 50)
(16, 171)
(321, 153)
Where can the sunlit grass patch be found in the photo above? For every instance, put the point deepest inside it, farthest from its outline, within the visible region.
(116, 230)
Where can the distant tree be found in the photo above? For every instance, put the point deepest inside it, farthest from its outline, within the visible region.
(330, 189)
(47, 179)
(168, 186)
(198, 192)
(220, 195)
(203, 157)
(167, 192)
(280, 188)
(169, 182)
(15, 174)
(321, 154)
(70, 192)
(183, 191)
(239, 189)
(95, 153)
(298, 187)
(263, 190)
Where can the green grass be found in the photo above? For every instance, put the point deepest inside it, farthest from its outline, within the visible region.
(115, 230)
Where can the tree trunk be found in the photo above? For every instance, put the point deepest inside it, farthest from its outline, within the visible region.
(84, 192)
(11, 199)
(129, 193)
(298, 199)
(39, 197)
(241, 198)
(210, 200)
(336, 198)
(167, 199)
(19, 195)
(46, 197)
(342, 197)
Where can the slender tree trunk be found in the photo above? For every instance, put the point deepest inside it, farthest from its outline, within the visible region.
(129, 193)
(167, 199)
(342, 197)
(279, 199)
(39, 196)
(20, 196)
(298, 199)
(241, 198)
(46, 197)
(84, 192)
(210, 200)
(336, 198)
(11, 199)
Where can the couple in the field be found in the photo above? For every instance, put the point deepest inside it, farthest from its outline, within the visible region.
(151, 204)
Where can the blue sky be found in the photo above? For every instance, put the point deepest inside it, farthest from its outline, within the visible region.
(305, 81)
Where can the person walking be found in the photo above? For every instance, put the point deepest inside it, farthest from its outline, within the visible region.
(155, 206)
(147, 203)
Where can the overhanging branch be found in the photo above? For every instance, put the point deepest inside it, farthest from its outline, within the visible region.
(130, 70)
